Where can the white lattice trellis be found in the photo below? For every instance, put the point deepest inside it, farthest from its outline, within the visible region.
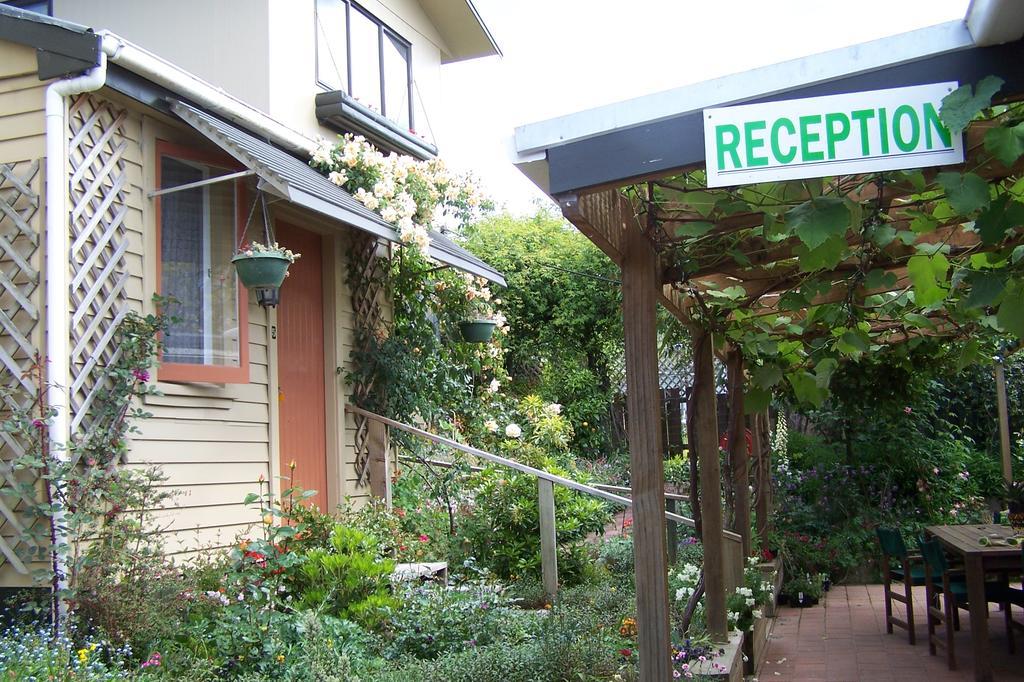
(20, 189)
(367, 268)
(99, 269)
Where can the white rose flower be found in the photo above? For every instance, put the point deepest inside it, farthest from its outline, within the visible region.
(494, 386)
(339, 178)
(513, 431)
(552, 409)
(491, 426)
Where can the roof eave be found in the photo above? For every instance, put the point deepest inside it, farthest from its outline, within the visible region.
(463, 30)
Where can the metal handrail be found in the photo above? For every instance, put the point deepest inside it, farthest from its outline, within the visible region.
(519, 466)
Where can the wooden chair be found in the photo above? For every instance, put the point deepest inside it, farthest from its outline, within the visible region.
(942, 581)
(899, 566)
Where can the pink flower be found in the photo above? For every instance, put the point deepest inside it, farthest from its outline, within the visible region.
(39, 424)
(424, 538)
(140, 374)
(907, 410)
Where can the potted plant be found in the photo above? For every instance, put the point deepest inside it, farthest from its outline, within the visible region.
(803, 590)
(262, 267)
(1015, 504)
(481, 320)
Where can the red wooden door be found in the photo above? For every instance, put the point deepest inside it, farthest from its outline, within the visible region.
(300, 356)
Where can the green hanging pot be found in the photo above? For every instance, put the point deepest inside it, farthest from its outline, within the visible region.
(261, 270)
(477, 331)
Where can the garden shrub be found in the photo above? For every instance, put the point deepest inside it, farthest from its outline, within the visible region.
(436, 620)
(348, 580)
(616, 554)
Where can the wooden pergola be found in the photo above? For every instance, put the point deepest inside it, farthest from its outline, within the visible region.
(626, 188)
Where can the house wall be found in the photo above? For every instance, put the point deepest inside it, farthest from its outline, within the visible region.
(223, 42)
(262, 51)
(22, 149)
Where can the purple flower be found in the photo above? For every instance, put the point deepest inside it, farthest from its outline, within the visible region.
(140, 374)
(39, 424)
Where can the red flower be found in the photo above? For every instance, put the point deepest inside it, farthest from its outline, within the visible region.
(257, 558)
(626, 652)
(424, 538)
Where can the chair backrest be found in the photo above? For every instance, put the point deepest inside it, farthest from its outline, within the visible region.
(934, 557)
(892, 542)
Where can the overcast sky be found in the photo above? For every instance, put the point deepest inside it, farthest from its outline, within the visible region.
(562, 56)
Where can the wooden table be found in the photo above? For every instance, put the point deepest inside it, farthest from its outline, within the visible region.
(978, 560)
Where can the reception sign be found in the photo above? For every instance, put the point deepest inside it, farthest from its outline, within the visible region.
(860, 132)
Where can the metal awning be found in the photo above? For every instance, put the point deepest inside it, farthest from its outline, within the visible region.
(305, 186)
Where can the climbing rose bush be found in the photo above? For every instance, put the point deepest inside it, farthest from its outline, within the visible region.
(414, 196)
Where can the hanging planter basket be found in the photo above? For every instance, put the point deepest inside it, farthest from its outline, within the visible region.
(477, 331)
(261, 270)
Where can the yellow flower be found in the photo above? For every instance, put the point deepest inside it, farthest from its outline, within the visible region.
(280, 658)
(83, 655)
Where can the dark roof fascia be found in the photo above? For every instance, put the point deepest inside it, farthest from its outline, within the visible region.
(338, 110)
(622, 156)
(63, 48)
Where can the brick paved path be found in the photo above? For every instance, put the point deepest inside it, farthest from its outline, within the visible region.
(843, 639)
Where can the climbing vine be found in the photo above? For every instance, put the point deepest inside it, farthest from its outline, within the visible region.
(803, 275)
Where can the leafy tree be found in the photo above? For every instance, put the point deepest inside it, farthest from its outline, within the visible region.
(563, 309)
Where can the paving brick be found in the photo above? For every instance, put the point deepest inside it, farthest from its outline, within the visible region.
(843, 639)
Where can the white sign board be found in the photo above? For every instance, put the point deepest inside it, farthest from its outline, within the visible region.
(860, 132)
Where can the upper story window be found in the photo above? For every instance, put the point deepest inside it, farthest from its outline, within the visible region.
(357, 53)
(197, 230)
(40, 6)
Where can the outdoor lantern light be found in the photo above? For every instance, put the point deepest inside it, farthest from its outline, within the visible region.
(268, 297)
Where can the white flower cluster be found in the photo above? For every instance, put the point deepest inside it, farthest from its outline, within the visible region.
(390, 183)
(252, 248)
(747, 594)
(552, 409)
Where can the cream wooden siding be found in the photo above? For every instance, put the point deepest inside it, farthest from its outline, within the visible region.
(212, 442)
(22, 144)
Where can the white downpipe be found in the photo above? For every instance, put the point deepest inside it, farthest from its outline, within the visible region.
(163, 73)
(58, 372)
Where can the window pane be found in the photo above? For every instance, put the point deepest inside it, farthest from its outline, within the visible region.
(365, 51)
(331, 44)
(197, 228)
(396, 81)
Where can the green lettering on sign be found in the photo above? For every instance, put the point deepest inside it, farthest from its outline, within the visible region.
(749, 128)
(727, 147)
(783, 157)
(883, 130)
(807, 137)
(905, 111)
(862, 116)
(837, 129)
(932, 122)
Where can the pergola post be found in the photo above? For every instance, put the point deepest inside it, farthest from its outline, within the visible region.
(640, 286)
(1004, 421)
(739, 457)
(706, 431)
(762, 477)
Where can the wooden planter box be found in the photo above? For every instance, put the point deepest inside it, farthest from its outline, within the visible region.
(755, 645)
(772, 571)
(731, 660)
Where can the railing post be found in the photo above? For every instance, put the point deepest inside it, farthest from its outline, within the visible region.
(673, 532)
(548, 542)
(380, 467)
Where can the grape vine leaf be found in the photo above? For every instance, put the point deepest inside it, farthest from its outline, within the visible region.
(967, 192)
(928, 274)
(817, 220)
(1011, 312)
(985, 288)
(961, 105)
(1005, 143)
(994, 221)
